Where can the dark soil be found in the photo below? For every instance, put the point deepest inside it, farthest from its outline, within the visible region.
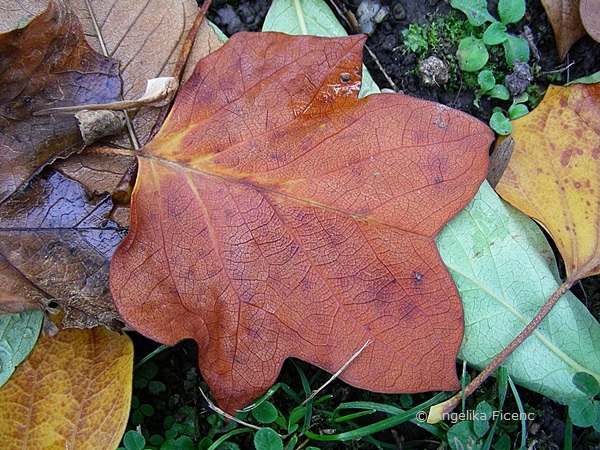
(400, 66)
(387, 43)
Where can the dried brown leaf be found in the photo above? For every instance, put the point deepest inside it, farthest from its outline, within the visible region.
(146, 36)
(566, 23)
(58, 236)
(44, 64)
(276, 214)
(56, 243)
(590, 17)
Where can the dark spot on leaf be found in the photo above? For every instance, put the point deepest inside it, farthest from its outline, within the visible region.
(566, 157)
(345, 77)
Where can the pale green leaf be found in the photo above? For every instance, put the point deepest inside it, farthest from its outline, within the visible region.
(505, 271)
(590, 79)
(312, 17)
(18, 335)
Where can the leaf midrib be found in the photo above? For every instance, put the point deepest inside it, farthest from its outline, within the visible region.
(543, 339)
(179, 167)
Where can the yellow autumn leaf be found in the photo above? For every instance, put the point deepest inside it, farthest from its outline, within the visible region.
(554, 173)
(72, 392)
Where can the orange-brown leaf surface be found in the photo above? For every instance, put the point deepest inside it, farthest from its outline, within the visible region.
(276, 214)
(566, 23)
(554, 173)
(73, 391)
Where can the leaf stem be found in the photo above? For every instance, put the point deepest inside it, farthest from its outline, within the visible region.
(300, 14)
(337, 374)
(437, 412)
(184, 54)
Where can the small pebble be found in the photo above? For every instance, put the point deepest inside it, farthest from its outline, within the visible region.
(228, 17)
(398, 11)
(434, 71)
(369, 13)
(389, 43)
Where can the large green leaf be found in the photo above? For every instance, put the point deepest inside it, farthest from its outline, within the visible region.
(505, 271)
(18, 335)
(311, 17)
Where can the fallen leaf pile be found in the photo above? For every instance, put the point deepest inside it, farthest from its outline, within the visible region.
(276, 215)
(57, 233)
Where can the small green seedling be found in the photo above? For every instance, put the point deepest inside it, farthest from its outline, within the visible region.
(585, 411)
(139, 411)
(488, 86)
(132, 440)
(144, 378)
(500, 122)
(472, 51)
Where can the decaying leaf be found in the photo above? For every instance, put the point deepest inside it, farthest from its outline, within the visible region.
(566, 23)
(146, 37)
(89, 232)
(55, 244)
(46, 63)
(276, 214)
(73, 391)
(554, 173)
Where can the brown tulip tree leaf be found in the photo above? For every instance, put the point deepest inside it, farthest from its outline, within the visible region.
(73, 391)
(276, 214)
(46, 63)
(554, 173)
(590, 17)
(566, 23)
(55, 245)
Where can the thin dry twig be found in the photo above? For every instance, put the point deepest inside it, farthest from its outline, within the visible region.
(337, 374)
(130, 131)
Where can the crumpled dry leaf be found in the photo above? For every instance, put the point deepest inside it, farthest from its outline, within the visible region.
(46, 63)
(554, 173)
(56, 242)
(95, 169)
